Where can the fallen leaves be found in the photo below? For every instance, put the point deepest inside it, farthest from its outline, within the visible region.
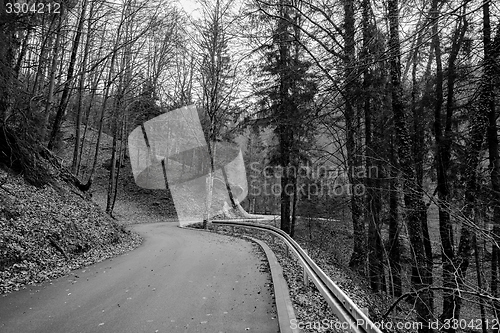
(48, 232)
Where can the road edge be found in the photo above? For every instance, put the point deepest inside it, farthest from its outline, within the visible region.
(284, 305)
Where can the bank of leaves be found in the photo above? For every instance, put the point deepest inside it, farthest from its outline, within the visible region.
(46, 231)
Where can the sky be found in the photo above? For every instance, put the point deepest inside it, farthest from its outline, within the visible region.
(190, 6)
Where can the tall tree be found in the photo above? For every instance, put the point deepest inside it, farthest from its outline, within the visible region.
(77, 149)
(216, 67)
(358, 258)
(61, 110)
(419, 272)
(491, 65)
(443, 141)
(52, 79)
(287, 95)
(372, 183)
(8, 28)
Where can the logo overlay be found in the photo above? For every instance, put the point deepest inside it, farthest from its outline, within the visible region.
(170, 151)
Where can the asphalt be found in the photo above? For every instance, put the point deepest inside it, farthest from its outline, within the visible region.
(179, 280)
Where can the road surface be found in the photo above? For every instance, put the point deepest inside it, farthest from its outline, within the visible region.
(178, 281)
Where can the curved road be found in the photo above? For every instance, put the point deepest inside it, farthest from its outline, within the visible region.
(179, 280)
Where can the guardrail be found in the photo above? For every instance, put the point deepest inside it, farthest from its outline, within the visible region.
(350, 315)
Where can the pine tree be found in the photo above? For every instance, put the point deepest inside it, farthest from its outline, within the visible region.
(286, 96)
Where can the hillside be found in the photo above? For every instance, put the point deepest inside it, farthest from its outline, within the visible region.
(47, 225)
(133, 204)
(48, 231)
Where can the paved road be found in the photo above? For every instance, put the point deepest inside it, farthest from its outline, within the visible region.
(178, 281)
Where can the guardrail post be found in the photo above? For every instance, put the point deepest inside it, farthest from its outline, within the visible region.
(306, 279)
(232, 230)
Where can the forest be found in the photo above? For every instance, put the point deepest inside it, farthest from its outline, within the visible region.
(381, 113)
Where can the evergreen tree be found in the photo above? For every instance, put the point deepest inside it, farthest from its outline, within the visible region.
(286, 100)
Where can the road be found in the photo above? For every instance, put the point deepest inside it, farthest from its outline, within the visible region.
(179, 280)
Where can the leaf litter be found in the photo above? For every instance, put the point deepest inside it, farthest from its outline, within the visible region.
(48, 231)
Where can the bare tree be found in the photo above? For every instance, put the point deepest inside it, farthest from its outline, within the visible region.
(420, 273)
(216, 70)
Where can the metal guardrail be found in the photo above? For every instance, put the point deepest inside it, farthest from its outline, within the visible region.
(349, 314)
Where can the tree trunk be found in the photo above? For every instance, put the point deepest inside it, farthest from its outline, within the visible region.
(42, 58)
(442, 162)
(75, 165)
(477, 255)
(285, 181)
(394, 229)
(7, 52)
(372, 193)
(95, 79)
(228, 188)
(285, 106)
(53, 69)
(112, 182)
(494, 275)
(491, 52)
(121, 155)
(420, 274)
(294, 207)
(108, 83)
(69, 79)
(419, 152)
(212, 150)
(116, 125)
(443, 154)
(22, 54)
(482, 120)
(358, 257)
